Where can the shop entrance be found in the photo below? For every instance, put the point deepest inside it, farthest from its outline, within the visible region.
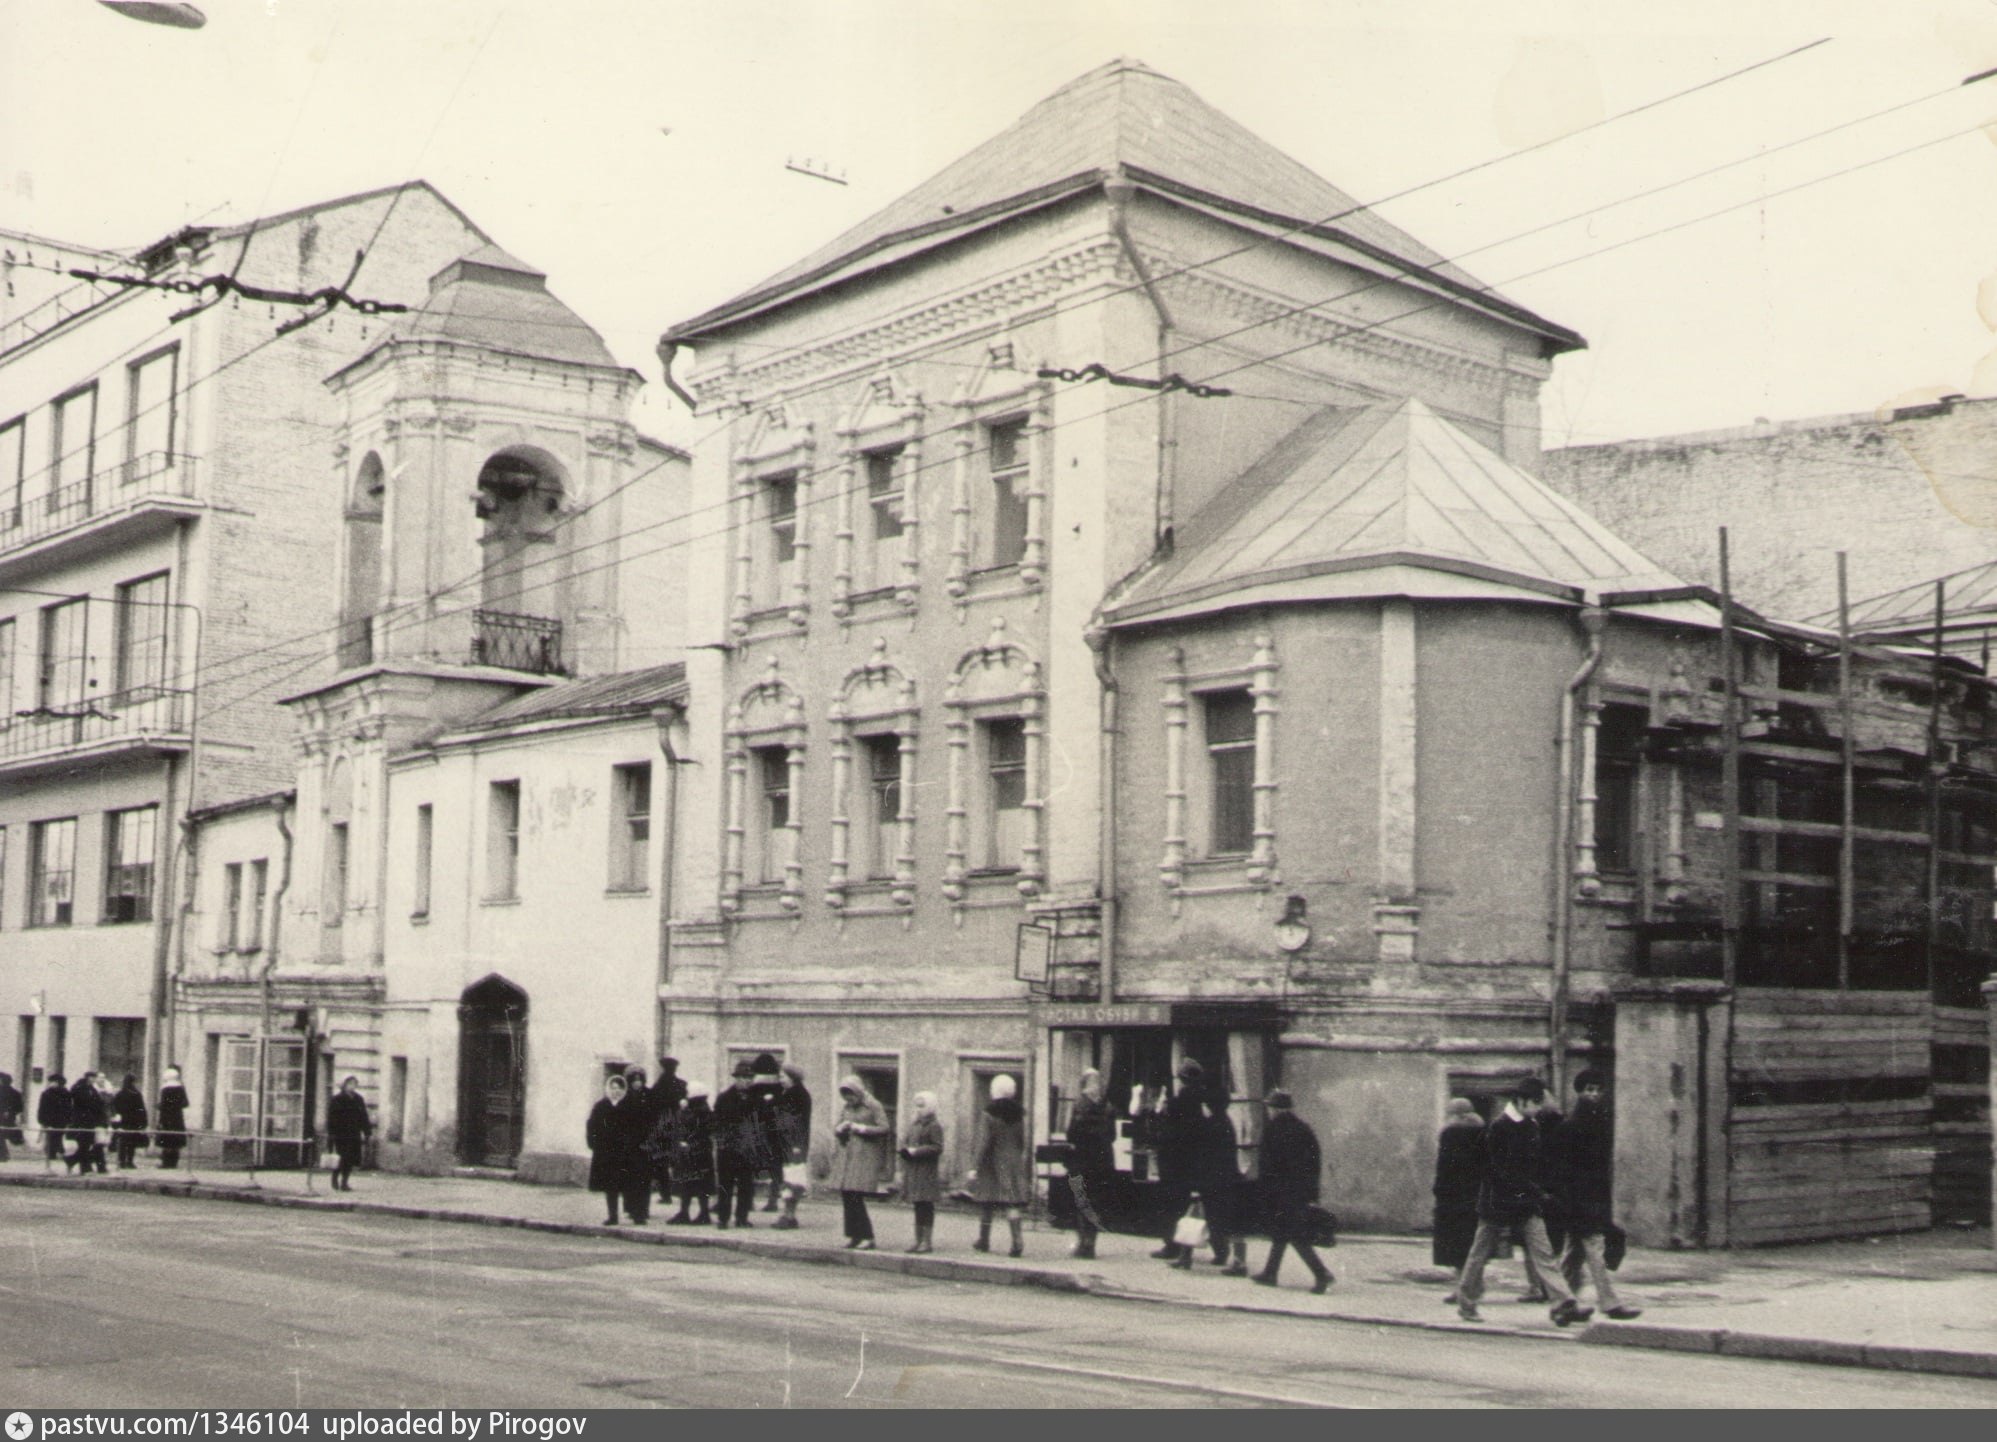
(492, 1073)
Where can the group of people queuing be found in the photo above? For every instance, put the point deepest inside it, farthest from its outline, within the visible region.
(1534, 1178)
(96, 1120)
(673, 1142)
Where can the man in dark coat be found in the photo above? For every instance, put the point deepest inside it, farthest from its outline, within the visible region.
(1291, 1167)
(129, 1117)
(1091, 1160)
(1175, 1141)
(741, 1145)
(348, 1127)
(11, 1103)
(768, 1085)
(172, 1119)
(1514, 1195)
(793, 1116)
(1217, 1178)
(1459, 1173)
(88, 1112)
(52, 1116)
(1583, 1170)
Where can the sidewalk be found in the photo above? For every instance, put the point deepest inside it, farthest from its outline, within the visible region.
(1923, 1302)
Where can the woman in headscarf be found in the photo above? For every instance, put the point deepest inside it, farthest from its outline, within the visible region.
(864, 1162)
(921, 1147)
(1459, 1171)
(690, 1133)
(172, 1133)
(347, 1128)
(999, 1177)
(616, 1165)
(1091, 1160)
(128, 1120)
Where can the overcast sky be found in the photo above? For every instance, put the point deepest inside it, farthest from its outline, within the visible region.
(635, 150)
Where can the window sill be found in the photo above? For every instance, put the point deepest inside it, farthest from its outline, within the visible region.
(627, 891)
(991, 873)
(1220, 862)
(499, 901)
(419, 918)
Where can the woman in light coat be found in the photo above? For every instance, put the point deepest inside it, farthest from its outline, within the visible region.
(864, 1162)
(921, 1147)
(1001, 1178)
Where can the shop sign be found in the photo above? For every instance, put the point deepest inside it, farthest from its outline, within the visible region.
(1115, 1013)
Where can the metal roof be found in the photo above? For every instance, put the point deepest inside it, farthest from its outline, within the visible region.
(1389, 486)
(623, 693)
(1121, 119)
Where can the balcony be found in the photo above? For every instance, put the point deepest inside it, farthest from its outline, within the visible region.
(147, 718)
(159, 483)
(517, 643)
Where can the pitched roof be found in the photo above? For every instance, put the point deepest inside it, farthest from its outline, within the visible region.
(1387, 487)
(1121, 119)
(623, 693)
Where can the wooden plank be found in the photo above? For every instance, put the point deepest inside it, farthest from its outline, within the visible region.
(1775, 826)
(1775, 1023)
(1820, 1229)
(1865, 1067)
(1831, 1110)
(1793, 1136)
(1800, 1176)
(1851, 1215)
(1777, 1001)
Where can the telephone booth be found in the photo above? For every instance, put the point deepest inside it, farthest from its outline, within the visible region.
(266, 1102)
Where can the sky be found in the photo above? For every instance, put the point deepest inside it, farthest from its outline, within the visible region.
(635, 150)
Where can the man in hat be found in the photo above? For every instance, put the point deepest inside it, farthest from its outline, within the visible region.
(52, 1116)
(1583, 1169)
(768, 1084)
(1514, 1195)
(741, 1146)
(1291, 1167)
(1177, 1147)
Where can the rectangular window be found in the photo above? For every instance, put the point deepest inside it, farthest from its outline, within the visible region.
(121, 1047)
(333, 901)
(51, 872)
(7, 706)
(1618, 754)
(1230, 735)
(142, 614)
(25, 1070)
(1006, 450)
(228, 924)
(58, 1045)
(631, 826)
(883, 756)
(1005, 800)
(398, 1099)
(259, 886)
(772, 771)
(13, 471)
(149, 414)
(884, 492)
(64, 661)
(72, 450)
(128, 863)
(780, 502)
(502, 842)
(425, 840)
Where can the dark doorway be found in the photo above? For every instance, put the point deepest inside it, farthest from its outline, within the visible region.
(492, 1073)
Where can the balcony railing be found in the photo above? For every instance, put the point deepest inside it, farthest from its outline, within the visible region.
(517, 643)
(145, 711)
(114, 489)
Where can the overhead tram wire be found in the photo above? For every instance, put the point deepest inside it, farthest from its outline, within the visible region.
(1210, 340)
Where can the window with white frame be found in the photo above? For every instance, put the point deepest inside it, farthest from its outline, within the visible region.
(502, 841)
(142, 637)
(72, 449)
(425, 842)
(149, 414)
(1230, 740)
(128, 863)
(779, 506)
(1004, 745)
(883, 806)
(631, 826)
(776, 837)
(887, 526)
(1007, 459)
(52, 872)
(64, 660)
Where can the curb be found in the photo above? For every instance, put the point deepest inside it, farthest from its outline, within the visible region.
(1723, 1342)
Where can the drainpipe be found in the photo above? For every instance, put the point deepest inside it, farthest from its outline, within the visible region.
(1593, 621)
(276, 921)
(1119, 192)
(668, 835)
(1099, 640)
(666, 351)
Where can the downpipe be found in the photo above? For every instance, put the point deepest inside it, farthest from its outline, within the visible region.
(1594, 620)
(1099, 641)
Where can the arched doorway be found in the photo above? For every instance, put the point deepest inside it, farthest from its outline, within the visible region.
(492, 1073)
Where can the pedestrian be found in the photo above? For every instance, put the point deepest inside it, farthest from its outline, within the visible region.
(11, 1105)
(1175, 1132)
(768, 1087)
(89, 1125)
(172, 1118)
(1000, 1178)
(672, 1091)
(1513, 1194)
(52, 1116)
(1091, 1161)
(348, 1127)
(1459, 1172)
(691, 1158)
(921, 1154)
(1583, 1168)
(639, 1094)
(615, 1164)
(864, 1162)
(668, 1096)
(1292, 1168)
(129, 1120)
(1551, 1121)
(793, 1112)
(741, 1147)
(1217, 1178)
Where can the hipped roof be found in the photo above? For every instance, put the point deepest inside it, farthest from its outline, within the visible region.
(1380, 500)
(1125, 121)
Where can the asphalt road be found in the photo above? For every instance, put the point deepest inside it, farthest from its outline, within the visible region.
(138, 1301)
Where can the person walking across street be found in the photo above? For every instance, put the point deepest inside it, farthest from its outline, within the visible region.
(1292, 1166)
(171, 1119)
(129, 1121)
(793, 1117)
(1459, 1173)
(691, 1155)
(864, 1161)
(921, 1153)
(1514, 1194)
(1091, 1161)
(1000, 1178)
(348, 1127)
(1583, 1168)
(741, 1146)
(1175, 1134)
(616, 1166)
(11, 1105)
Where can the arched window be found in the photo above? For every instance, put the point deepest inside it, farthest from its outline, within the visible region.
(361, 595)
(519, 501)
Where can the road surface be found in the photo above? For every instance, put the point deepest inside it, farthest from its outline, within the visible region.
(123, 1300)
